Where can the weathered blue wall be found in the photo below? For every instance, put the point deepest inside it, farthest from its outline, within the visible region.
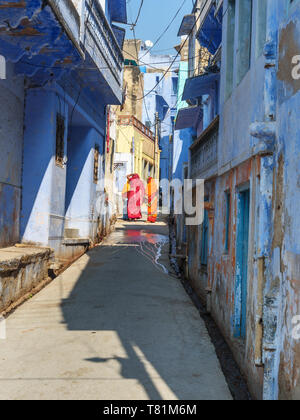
(58, 197)
(11, 147)
(43, 181)
(287, 198)
(244, 106)
(81, 196)
(258, 148)
(239, 168)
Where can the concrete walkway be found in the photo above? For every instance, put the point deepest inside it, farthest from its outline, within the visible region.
(112, 326)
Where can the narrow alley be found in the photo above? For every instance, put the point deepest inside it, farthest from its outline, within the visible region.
(112, 326)
(149, 200)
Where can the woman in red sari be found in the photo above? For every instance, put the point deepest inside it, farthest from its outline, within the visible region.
(152, 200)
(135, 197)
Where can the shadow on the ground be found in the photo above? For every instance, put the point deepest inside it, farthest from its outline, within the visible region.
(122, 291)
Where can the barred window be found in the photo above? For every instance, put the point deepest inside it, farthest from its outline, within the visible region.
(60, 140)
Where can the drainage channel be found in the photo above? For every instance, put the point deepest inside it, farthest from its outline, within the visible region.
(234, 378)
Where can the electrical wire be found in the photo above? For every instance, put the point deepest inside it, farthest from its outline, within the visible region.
(178, 53)
(137, 54)
(165, 73)
(139, 14)
(106, 67)
(166, 29)
(144, 102)
(146, 64)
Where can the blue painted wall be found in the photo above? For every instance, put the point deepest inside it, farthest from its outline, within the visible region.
(182, 138)
(260, 117)
(287, 187)
(11, 148)
(81, 194)
(54, 85)
(43, 181)
(55, 197)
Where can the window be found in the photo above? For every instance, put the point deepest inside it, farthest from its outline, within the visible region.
(261, 26)
(230, 47)
(173, 122)
(227, 221)
(60, 140)
(174, 85)
(244, 39)
(96, 164)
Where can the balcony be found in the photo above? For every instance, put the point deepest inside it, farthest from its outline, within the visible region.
(209, 33)
(33, 39)
(204, 153)
(103, 49)
(131, 120)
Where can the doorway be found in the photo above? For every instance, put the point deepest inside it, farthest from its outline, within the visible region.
(241, 282)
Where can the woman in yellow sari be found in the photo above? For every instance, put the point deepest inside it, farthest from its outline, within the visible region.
(152, 192)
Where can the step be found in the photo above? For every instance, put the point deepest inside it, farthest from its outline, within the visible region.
(71, 233)
(77, 241)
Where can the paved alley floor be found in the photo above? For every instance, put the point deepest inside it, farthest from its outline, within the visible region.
(115, 325)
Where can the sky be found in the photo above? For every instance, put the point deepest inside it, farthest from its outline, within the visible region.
(156, 15)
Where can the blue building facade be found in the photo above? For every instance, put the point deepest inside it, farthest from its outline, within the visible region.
(63, 67)
(160, 102)
(242, 261)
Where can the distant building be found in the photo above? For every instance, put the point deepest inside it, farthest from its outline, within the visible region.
(160, 102)
(146, 117)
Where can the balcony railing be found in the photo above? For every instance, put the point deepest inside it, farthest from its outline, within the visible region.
(100, 41)
(131, 120)
(204, 152)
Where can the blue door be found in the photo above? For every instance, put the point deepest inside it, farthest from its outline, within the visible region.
(242, 263)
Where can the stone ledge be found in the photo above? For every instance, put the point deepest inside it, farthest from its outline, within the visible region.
(21, 270)
(13, 258)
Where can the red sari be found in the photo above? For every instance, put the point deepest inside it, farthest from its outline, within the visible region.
(135, 197)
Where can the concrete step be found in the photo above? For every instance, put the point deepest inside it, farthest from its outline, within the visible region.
(71, 233)
(77, 241)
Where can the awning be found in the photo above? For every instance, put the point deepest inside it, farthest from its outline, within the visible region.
(119, 34)
(118, 11)
(200, 85)
(210, 32)
(187, 24)
(188, 117)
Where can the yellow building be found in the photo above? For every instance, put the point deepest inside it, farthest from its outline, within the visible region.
(137, 147)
